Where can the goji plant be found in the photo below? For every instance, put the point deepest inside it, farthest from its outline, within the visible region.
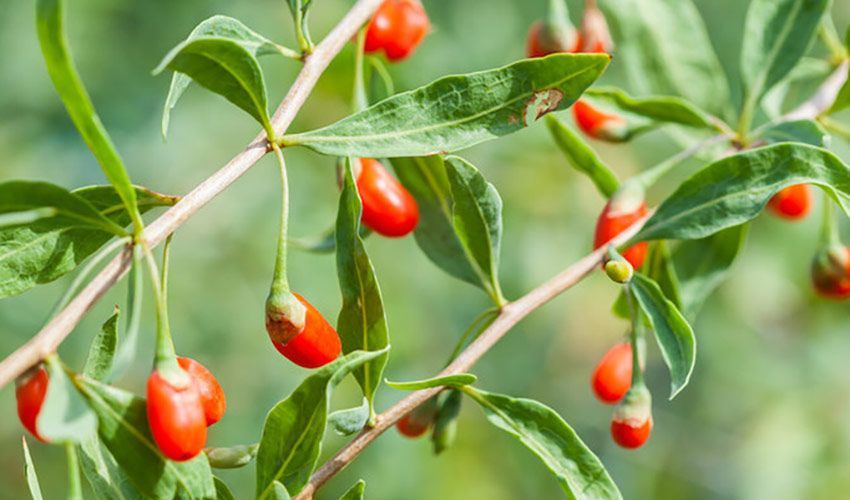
(400, 174)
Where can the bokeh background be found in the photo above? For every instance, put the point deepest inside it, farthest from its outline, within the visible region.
(767, 411)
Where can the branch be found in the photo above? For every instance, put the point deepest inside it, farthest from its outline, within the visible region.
(53, 333)
(509, 316)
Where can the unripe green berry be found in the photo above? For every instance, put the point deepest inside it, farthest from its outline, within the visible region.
(620, 271)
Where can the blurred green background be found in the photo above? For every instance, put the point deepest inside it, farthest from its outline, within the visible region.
(767, 411)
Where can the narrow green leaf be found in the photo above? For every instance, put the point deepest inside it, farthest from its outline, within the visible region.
(362, 323)
(459, 380)
(703, 264)
(226, 67)
(47, 249)
(805, 131)
(779, 33)
(660, 268)
(477, 220)
(231, 457)
(294, 428)
(27, 216)
(842, 100)
(808, 74)
(65, 415)
(667, 109)
(106, 479)
(224, 27)
(50, 22)
(445, 424)
(538, 427)
(126, 352)
(356, 492)
(456, 112)
(74, 491)
(222, 491)
(123, 429)
(102, 350)
(674, 334)
(582, 157)
(351, 420)
(279, 492)
(734, 190)
(643, 30)
(29, 473)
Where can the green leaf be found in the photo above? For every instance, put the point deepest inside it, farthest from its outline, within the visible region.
(477, 220)
(278, 491)
(50, 21)
(809, 73)
(351, 420)
(106, 479)
(842, 100)
(779, 33)
(445, 424)
(222, 491)
(123, 429)
(734, 190)
(226, 67)
(294, 428)
(231, 457)
(458, 380)
(223, 27)
(362, 323)
(27, 216)
(29, 473)
(703, 264)
(126, 352)
(65, 415)
(805, 131)
(667, 109)
(47, 249)
(579, 472)
(356, 492)
(456, 112)
(102, 350)
(674, 334)
(660, 268)
(654, 64)
(582, 157)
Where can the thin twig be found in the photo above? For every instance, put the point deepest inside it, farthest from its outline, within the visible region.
(509, 316)
(51, 335)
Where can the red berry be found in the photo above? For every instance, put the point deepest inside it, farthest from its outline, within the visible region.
(599, 124)
(212, 396)
(595, 34)
(616, 217)
(792, 202)
(419, 420)
(544, 40)
(318, 343)
(397, 28)
(30, 391)
(831, 272)
(629, 433)
(388, 208)
(176, 417)
(613, 375)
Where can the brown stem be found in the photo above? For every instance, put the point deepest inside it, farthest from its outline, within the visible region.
(53, 333)
(509, 316)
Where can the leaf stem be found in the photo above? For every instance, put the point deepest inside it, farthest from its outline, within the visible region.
(75, 490)
(478, 325)
(301, 32)
(165, 358)
(637, 371)
(280, 282)
(830, 38)
(649, 177)
(383, 74)
(360, 101)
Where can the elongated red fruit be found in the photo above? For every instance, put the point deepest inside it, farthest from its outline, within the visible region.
(631, 423)
(545, 39)
(598, 124)
(316, 345)
(631, 434)
(176, 417)
(831, 272)
(30, 391)
(397, 28)
(792, 203)
(617, 216)
(388, 208)
(419, 420)
(210, 391)
(613, 375)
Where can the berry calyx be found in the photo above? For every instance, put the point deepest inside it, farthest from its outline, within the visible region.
(419, 420)
(176, 415)
(388, 208)
(622, 210)
(598, 124)
(30, 391)
(612, 377)
(631, 423)
(831, 272)
(397, 28)
(792, 203)
(315, 345)
(210, 391)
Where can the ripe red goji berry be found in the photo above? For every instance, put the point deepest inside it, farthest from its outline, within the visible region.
(631, 423)
(544, 39)
(388, 208)
(30, 391)
(176, 416)
(619, 213)
(595, 36)
(599, 124)
(317, 344)
(831, 272)
(793, 202)
(613, 375)
(419, 420)
(212, 395)
(397, 28)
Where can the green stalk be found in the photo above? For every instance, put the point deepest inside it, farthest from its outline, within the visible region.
(360, 99)
(829, 229)
(75, 489)
(637, 372)
(165, 358)
(280, 283)
(829, 35)
(478, 325)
